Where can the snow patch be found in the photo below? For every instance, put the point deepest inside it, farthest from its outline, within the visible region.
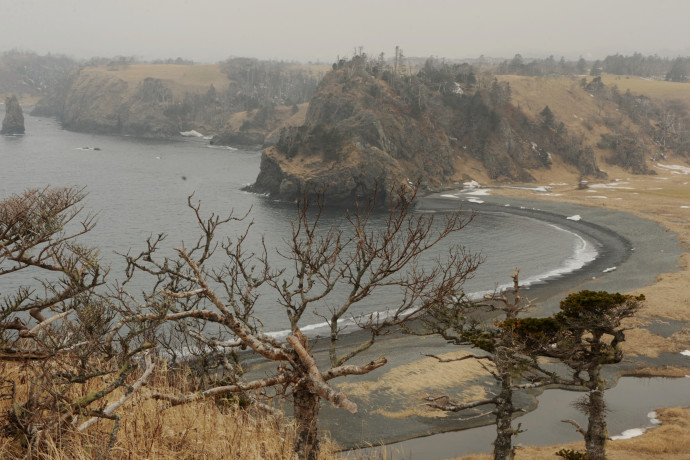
(653, 419)
(685, 353)
(599, 196)
(627, 434)
(576, 217)
(450, 196)
(475, 200)
(471, 184)
(479, 192)
(610, 269)
(678, 168)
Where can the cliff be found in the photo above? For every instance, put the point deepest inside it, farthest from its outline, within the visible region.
(13, 123)
(372, 126)
(162, 100)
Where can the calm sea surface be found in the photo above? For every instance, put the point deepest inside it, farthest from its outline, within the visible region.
(140, 187)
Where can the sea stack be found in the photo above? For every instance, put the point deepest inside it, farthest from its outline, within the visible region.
(14, 117)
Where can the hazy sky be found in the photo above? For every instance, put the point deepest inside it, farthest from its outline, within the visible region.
(310, 30)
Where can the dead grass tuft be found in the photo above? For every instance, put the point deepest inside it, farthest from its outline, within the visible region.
(150, 430)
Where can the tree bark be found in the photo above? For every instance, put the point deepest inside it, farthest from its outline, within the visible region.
(597, 431)
(306, 406)
(504, 419)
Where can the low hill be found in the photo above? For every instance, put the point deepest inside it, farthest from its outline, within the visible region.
(162, 100)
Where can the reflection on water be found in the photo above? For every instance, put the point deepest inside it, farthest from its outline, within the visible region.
(629, 404)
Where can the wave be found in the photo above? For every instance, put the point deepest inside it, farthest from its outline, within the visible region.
(583, 254)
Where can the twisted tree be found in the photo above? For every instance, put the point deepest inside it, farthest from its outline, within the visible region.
(328, 270)
(53, 324)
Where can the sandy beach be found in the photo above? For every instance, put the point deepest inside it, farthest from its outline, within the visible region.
(643, 225)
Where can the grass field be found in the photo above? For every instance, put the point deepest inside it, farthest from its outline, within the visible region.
(655, 89)
(179, 78)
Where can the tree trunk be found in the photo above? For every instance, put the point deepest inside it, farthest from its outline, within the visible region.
(306, 407)
(597, 432)
(504, 418)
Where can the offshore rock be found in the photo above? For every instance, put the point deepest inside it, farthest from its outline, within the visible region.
(13, 123)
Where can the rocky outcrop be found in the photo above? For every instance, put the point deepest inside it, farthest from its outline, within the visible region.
(364, 134)
(239, 138)
(13, 123)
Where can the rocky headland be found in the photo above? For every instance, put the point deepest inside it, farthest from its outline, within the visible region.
(373, 126)
(13, 123)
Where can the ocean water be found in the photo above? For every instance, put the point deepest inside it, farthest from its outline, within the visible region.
(139, 187)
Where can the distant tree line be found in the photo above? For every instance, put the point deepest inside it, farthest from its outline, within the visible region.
(647, 66)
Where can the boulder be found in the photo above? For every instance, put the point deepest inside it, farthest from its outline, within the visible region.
(13, 123)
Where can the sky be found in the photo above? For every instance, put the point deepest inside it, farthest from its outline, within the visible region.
(322, 30)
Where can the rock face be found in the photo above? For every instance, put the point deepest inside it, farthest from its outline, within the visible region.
(369, 133)
(13, 123)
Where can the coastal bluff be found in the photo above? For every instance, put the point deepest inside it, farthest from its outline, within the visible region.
(372, 127)
(13, 123)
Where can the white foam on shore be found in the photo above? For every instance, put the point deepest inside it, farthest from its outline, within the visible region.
(191, 133)
(583, 253)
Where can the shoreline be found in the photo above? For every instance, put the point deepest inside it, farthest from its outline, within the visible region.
(390, 398)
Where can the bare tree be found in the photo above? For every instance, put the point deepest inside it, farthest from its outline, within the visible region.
(332, 267)
(509, 362)
(52, 322)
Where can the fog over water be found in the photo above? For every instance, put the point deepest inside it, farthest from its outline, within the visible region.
(311, 30)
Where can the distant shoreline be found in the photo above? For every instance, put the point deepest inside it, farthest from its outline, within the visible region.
(640, 249)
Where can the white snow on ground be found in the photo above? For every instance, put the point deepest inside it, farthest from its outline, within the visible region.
(553, 194)
(685, 207)
(633, 432)
(479, 192)
(575, 217)
(610, 269)
(599, 196)
(562, 183)
(627, 434)
(685, 353)
(616, 186)
(450, 196)
(677, 168)
(475, 200)
(653, 419)
(471, 184)
(541, 188)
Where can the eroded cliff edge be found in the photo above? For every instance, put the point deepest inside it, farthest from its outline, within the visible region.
(371, 126)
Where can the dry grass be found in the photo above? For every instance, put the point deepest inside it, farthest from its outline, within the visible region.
(655, 89)
(149, 430)
(178, 78)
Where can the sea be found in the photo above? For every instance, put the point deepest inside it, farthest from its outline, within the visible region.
(140, 188)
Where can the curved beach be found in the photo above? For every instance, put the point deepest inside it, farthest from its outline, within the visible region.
(642, 242)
